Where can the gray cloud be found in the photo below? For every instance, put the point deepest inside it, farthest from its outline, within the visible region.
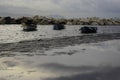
(68, 8)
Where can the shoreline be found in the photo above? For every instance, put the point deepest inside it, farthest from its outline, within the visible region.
(47, 44)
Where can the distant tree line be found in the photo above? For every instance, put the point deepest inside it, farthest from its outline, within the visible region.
(41, 20)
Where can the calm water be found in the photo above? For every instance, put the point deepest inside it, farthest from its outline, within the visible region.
(14, 33)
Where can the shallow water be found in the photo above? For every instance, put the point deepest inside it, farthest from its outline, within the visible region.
(94, 60)
(14, 33)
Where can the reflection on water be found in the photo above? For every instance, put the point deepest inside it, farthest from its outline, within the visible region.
(14, 33)
(94, 61)
(107, 74)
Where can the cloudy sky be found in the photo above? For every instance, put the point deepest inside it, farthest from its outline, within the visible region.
(66, 8)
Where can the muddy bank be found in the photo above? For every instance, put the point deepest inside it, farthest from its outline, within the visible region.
(42, 45)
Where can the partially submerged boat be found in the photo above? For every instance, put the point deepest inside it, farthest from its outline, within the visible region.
(29, 26)
(87, 29)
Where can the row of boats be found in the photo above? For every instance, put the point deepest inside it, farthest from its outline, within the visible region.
(30, 26)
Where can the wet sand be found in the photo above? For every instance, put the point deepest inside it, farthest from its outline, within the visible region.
(78, 57)
(46, 44)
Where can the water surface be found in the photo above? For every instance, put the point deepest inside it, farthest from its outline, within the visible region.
(14, 33)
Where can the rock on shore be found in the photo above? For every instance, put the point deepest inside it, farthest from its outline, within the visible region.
(42, 20)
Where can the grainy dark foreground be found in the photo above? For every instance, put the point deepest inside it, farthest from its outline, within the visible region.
(46, 44)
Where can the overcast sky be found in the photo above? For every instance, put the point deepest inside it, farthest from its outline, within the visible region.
(66, 8)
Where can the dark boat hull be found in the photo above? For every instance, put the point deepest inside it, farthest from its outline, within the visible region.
(29, 28)
(58, 27)
(88, 30)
